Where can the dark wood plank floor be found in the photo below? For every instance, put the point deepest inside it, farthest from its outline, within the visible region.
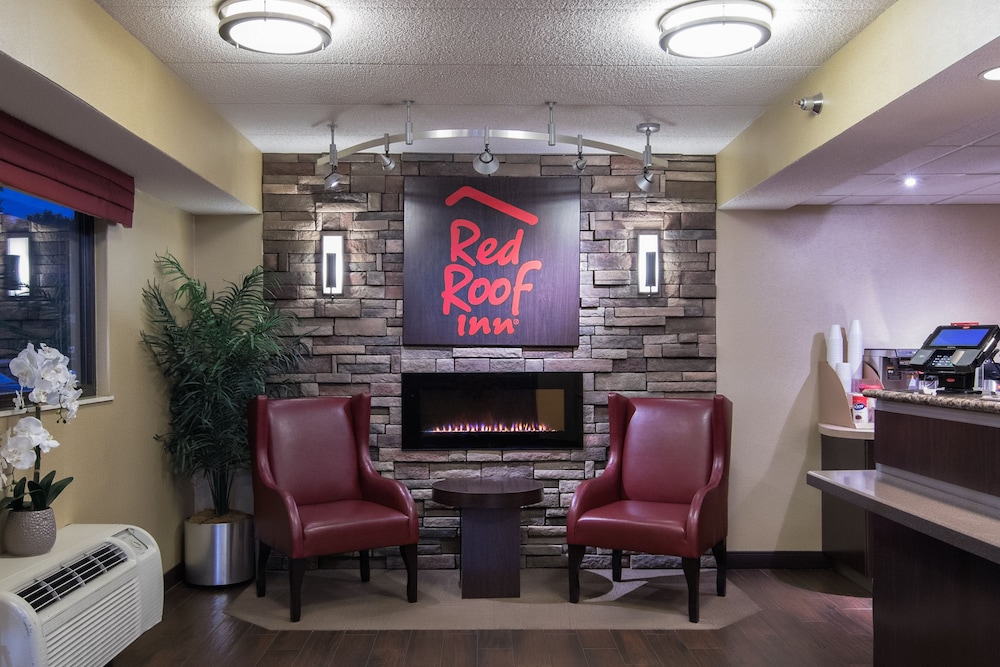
(807, 618)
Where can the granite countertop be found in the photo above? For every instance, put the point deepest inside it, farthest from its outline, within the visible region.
(972, 402)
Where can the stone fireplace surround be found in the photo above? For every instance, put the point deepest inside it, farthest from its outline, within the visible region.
(634, 345)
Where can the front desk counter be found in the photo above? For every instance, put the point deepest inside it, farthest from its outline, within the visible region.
(847, 527)
(934, 505)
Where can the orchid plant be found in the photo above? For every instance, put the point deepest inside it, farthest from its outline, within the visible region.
(45, 372)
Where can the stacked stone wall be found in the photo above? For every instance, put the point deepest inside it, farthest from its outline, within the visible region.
(631, 344)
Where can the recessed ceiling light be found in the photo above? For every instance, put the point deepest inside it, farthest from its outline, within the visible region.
(282, 27)
(714, 28)
(991, 74)
(910, 181)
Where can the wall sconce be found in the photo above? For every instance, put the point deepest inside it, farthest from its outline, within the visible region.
(17, 266)
(649, 264)
(332, 260)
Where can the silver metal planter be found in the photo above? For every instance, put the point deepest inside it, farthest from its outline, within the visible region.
(219, 553)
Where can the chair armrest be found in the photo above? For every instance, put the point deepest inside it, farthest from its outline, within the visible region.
(709, 514)
(591, 493)
(276, 517)
(384, 491)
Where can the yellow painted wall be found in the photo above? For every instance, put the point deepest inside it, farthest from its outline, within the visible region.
(911, 42)
(120, 473)
(76, 45)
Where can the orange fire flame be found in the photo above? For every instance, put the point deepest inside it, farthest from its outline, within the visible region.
(522, 427)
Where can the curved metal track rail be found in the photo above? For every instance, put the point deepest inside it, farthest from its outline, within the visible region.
(523, 135)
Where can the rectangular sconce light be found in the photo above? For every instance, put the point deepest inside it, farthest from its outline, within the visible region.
(17, 266)
(332, 261)
(649, 264)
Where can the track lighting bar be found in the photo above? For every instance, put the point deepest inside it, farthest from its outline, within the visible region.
(522, 135)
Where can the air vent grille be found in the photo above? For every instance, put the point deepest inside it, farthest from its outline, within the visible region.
(57, 584)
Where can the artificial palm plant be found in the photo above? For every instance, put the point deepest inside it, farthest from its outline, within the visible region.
(216, 352)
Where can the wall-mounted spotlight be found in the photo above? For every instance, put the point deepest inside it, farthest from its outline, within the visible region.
(486, 162)
(814, 103)
(580, 163)
(649, 264)
(388, 164)
(332, 260)
(332, 181)
(646, 181)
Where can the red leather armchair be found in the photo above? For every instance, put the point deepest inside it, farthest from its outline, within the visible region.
(316, 492)
(665, 489)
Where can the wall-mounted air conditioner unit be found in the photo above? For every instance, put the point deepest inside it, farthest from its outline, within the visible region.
(99, 588)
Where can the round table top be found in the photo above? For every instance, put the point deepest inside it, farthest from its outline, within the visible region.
(487, 492)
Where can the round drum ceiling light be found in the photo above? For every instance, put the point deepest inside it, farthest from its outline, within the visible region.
(715, 28)
(282, 27)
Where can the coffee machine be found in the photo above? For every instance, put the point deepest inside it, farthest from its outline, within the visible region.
(893, 367)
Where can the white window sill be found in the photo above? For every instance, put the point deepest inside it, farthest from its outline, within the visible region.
(89, 400)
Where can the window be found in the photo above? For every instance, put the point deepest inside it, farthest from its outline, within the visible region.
(46, 284)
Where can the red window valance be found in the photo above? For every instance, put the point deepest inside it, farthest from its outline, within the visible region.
(40, 165)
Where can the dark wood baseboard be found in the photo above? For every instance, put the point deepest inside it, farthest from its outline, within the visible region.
(173, 576)
(778, 560)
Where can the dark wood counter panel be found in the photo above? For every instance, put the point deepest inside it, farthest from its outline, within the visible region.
(934, 500)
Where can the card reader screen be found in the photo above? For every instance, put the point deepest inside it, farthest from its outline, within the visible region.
(960, 337)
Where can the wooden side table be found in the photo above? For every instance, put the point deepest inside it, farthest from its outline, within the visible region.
(491, 530)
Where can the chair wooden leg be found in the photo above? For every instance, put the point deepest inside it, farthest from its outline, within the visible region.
(366, 566)
(296, 573)
(263, 553)
(692, 571)
(409, 554)
(719, 551)
(576, 552)
(616, 565)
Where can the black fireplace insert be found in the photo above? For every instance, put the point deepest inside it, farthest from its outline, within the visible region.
(492, 410)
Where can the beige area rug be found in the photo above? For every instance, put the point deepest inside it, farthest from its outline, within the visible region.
(643, 600)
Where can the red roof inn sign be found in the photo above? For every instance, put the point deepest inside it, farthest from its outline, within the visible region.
(491, 261)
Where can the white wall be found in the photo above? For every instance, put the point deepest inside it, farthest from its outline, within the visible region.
(783, 278)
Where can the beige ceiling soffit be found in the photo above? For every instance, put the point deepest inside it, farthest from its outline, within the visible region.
(912, 42)
(89, 57)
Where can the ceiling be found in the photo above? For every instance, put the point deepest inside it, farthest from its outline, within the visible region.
(496, 63)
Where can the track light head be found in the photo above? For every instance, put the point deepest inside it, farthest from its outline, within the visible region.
(646, 181)
(388, 164)
(581, 162)
(333, 181)
(486, 162)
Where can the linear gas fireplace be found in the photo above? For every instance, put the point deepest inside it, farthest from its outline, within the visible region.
(492, 410)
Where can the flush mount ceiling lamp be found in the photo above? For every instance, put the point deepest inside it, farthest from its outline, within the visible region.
(332, 181)
(646, 181)
(715, 28)
(486, 163)
(281, 27)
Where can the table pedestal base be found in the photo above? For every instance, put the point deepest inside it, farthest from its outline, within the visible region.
(491, 559)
